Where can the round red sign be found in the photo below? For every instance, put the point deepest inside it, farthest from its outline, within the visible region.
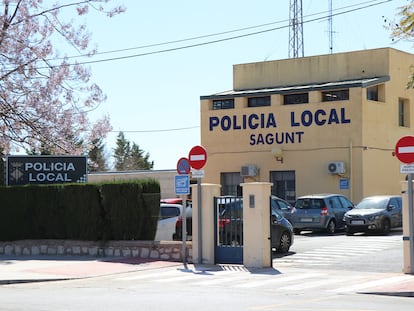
(404, 149)
(197, 157)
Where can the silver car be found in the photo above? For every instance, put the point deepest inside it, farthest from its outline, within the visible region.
(378, 213)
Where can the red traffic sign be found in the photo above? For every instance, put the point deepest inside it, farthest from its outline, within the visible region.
(183, 166)
(404, 149)
(197, 157)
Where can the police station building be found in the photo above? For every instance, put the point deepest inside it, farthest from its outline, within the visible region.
(319, 124)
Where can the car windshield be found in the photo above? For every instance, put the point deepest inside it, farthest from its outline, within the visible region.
(372, 203)
(309, 203)
(276, 214)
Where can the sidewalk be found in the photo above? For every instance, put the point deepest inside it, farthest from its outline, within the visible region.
(43, 268)
(15, 270)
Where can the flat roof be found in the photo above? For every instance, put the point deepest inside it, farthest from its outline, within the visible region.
(363, 82)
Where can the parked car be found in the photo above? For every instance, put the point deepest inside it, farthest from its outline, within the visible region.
(320, 212)
(230, 224)
(283, 207)
(281, 233)
(169, 226)
(378, 213)
(166, 225)
(178, 233)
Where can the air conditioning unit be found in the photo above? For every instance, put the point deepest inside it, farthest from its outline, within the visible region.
(249, 170)
(336, 167)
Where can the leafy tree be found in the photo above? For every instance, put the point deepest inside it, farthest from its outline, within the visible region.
(45, 96)
(121, 152)
(138, 159)
(404, 30)
(97, 161)
(129, 157)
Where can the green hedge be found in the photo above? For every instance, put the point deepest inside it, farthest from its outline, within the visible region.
(107, 211)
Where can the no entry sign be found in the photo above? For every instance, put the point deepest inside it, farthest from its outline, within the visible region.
(197, 157)
(404, 149)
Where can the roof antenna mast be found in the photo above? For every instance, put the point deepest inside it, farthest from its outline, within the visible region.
(296, 48)
(330, 28)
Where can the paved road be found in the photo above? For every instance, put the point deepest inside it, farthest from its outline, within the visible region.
(366, 253)
(309, 278)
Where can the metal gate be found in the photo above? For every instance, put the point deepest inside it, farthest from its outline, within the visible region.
(228, 229)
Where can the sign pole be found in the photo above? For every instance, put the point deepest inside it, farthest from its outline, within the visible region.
(404, 151)
(411, 220)
(198, 158)
(184, 230)
(200, 240)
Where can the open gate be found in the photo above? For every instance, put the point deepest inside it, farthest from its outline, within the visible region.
(228, 229)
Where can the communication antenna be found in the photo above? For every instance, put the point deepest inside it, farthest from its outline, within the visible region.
(296, 48)
(330, 28)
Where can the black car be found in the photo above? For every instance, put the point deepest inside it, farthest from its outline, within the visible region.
(283, 207)
(230, 222)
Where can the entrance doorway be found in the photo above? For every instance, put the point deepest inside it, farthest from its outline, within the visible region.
(284, 185)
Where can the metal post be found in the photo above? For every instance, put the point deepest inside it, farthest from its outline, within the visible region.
(411, 220)
(184, 229)
(200, 239)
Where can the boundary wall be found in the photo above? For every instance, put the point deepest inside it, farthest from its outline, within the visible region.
(162, 250)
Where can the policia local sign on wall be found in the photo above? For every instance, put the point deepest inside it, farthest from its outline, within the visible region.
(22, 170)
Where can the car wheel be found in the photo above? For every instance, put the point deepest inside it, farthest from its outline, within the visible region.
(285, 242)
(386, 226)
(331, 227)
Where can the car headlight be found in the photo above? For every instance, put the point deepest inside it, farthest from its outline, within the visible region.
(374, 217)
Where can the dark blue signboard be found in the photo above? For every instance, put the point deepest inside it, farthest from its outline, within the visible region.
(22, 170)
(344, 183)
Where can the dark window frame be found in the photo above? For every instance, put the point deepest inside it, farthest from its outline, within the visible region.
(373, 93)
(219, 104)
(261, 101)
(296, 98)
(335, 95)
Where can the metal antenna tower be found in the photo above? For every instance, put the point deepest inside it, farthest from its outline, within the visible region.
(296, 29)
(330, 28)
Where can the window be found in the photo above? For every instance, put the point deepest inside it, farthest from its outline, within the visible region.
(284, 185)
(372, 93)
(230, 183)
(403, 112)
(329, 96)
(223, 104)
(292, 99)
(258, 101)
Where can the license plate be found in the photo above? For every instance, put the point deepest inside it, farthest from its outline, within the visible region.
(357, 222)
(306, 219)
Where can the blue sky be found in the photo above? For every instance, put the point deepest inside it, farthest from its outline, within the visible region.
(154, 94)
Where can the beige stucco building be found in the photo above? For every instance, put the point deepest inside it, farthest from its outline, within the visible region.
(316, 124)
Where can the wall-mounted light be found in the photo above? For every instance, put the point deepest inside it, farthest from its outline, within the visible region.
(277, 154)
